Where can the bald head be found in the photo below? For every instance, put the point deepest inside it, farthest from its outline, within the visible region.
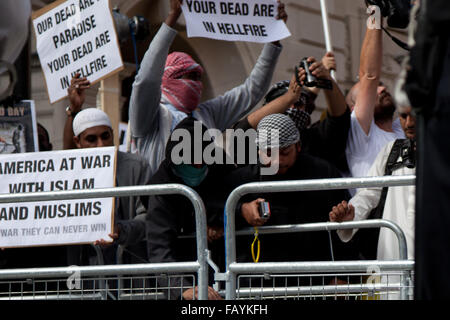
(384, 104)
(350, 98)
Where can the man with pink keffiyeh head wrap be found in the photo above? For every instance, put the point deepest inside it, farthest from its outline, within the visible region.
(181, 82)
(168, 88)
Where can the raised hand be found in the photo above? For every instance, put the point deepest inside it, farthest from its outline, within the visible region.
(342, 212)
(329, 61)
(77, 92)
(282, 15)
(316, 68)
(175, 12)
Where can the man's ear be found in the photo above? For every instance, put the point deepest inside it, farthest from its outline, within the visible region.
(76, 140)
(298, 147)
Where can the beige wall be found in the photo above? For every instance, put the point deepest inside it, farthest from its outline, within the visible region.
(227, 64)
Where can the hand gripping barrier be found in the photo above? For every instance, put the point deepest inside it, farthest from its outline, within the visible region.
(233, 268)
(200, 266)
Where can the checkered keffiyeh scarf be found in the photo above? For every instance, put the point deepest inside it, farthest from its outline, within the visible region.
(277, 131)
(183, 94)
(301, 118)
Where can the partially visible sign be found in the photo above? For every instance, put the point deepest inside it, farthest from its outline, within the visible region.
(56, 222)
(18, 131)
(76, 36)
(234, 20)
(123, 127)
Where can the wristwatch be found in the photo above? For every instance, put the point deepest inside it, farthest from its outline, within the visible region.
(70, 113)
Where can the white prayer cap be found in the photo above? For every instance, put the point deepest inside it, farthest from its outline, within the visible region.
(88, 118)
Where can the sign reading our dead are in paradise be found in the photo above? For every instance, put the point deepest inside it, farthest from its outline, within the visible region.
(76, 36)
(62, 221)
(234, 20)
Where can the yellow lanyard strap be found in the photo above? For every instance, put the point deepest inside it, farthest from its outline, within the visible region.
(256, 239)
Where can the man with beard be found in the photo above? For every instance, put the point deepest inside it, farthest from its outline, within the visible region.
(326, 139)
(372, 119)
(395, 204)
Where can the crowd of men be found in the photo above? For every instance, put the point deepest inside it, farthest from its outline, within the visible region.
(361, 134)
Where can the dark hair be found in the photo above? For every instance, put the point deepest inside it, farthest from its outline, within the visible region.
(44, 145)
(306, 99)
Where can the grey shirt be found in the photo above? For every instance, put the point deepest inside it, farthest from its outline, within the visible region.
(152, 122)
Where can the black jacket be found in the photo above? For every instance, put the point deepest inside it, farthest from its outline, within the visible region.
(326, 139)
(294, 208)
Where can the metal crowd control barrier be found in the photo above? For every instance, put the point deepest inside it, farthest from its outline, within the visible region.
(233, 268)
(200, 266)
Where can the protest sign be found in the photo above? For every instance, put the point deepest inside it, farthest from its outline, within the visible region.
(76, 36)
(123, 127)
(56, 222)
(234, 20)
(18, 131)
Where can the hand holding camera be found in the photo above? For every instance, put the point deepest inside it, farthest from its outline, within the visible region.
(312, 73)
(256, 212)
(264, 210)
(397, 12)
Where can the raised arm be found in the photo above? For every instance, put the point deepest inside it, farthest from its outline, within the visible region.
(369, 76)
(364, 201)
(335, 99)
(146, 91)
(279, 105)
(227, 109)
(77, 96)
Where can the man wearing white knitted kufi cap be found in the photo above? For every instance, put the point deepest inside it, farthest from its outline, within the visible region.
(91, 129)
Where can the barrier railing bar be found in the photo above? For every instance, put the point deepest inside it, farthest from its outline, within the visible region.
(323, 226)
(106, 270)
(320, 266)
(289, 186)
(161, 189)
(320, 290)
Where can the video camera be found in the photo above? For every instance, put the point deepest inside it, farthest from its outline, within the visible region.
(264, 210)
(137, 25)
(311, 80)
(408, 153)
(396, 11)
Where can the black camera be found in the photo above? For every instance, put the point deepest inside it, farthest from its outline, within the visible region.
(408, 153)
(264, 210)
(397, 12)
(125, 27)
(311, 80)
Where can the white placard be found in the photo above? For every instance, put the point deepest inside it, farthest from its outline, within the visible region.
(123, 127)
(63, 221)
(234, 20)
(76, 36)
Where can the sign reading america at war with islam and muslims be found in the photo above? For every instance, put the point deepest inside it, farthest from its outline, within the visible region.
(56, 222)
(76, 36)
(234, 20)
